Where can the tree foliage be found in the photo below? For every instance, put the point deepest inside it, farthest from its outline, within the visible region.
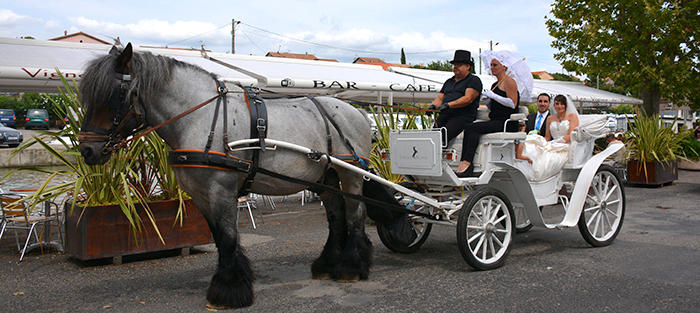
(650, 46)
(438, 65)
(562, 77)
(403, 57)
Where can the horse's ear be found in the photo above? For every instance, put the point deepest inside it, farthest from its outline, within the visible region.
(122, 62)
(114, 50)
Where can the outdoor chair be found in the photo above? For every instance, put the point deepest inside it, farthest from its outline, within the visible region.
(15, 216)
(247, 203)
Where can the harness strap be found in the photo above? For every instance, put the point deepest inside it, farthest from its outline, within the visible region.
(327, 117)
(213, 160)
(258, 129)
(219, 87)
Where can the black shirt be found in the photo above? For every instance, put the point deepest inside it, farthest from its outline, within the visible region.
(500, 112)
(453, 90)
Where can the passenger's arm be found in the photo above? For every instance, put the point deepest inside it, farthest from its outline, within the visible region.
(573, 123)
(469, 96)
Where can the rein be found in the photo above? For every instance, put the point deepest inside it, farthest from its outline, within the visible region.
(222, 92)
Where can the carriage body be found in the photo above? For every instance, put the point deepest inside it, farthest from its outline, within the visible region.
(489, 209)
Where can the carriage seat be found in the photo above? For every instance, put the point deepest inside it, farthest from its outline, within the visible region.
(497, 137)
(591, 127)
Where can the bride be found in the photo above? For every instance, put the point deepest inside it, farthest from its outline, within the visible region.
(547, 155)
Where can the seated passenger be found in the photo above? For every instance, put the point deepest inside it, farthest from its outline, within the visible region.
(502, 99)
(549, 153)
(459, 97)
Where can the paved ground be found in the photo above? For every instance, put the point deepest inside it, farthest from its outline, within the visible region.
(654, 265)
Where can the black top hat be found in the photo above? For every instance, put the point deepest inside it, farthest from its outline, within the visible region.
(463, 56)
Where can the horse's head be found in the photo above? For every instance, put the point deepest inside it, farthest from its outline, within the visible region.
(112, 108)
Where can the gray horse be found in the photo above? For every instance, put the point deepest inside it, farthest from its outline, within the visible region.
(159, 88)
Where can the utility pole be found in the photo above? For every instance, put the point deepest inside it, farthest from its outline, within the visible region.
(480, 61)
(233, 35)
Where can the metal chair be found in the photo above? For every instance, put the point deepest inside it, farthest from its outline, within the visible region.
(248, 203)
(16, 216)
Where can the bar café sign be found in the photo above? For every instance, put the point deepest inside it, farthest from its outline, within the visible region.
(51, 74)
(352, 85)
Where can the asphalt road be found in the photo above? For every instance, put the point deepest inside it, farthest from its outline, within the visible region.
(654, 265)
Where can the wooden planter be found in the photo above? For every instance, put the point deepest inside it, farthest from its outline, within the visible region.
(656, 173)
(103, 231)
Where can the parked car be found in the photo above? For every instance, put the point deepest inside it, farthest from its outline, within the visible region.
(10, 136)
(36, 118)
(7, 117)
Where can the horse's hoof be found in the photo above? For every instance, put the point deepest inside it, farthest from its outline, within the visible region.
(349, 279)
(322, 276)
(216, 307)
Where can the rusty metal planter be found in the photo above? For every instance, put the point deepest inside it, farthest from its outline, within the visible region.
(103, 231)
(657, 173)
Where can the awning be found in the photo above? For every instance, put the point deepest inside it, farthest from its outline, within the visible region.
(578, 92)
(28, 65)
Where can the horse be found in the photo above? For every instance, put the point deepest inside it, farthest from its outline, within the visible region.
(125, 91)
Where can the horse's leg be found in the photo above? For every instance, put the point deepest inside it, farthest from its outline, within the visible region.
(232, 283)
(356, 257)
(323, 267)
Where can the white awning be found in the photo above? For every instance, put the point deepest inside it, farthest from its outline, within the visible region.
(28, 65)
(576, 90)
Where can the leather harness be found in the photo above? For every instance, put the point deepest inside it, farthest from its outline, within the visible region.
(258, 121)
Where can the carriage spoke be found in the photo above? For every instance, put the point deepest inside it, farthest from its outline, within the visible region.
(593, 217)
(479, 244)
(499, 220)
(485, 249)
(597, 223)
(498, 241)
(473, 214)
(609, 193)
(478, 235)
(593, 208)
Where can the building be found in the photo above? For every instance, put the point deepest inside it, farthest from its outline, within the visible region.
(80, 37)
(543, 75)
(377, 61)
(299, 56)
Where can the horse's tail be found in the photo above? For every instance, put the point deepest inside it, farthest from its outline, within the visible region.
(396, 223)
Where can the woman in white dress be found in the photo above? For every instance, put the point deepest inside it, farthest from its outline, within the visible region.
(549, 153)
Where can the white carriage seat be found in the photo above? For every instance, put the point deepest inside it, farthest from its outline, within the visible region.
(483, 115)
(591, 127)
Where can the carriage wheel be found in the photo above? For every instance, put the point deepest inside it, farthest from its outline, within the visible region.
(522, 222)
(485, 229)
(421, 229)
(604, 209)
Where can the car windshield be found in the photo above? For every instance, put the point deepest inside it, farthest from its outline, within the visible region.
(37, 113)
(6, 112)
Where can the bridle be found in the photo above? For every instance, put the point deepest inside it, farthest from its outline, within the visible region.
(120, 97)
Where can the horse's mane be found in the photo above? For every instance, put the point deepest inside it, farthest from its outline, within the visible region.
(151, 73)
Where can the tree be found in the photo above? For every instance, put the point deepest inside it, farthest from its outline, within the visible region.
(444, 66)
(562, 77)
(403, 57)
(436, 66)
(650, 45)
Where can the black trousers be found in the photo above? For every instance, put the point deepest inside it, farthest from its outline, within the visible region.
(454, 124)
(473, 132)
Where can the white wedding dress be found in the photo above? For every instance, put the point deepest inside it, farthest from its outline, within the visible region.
(548, 157)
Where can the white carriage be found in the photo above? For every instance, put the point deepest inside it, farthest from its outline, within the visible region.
(489, 209)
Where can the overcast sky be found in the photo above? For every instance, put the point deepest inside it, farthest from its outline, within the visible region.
(341, 30)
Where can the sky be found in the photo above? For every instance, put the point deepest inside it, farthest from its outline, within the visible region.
(342, 30)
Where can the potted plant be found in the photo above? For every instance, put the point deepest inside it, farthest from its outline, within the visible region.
(653, 152)
(105, 206)
(691, 150)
